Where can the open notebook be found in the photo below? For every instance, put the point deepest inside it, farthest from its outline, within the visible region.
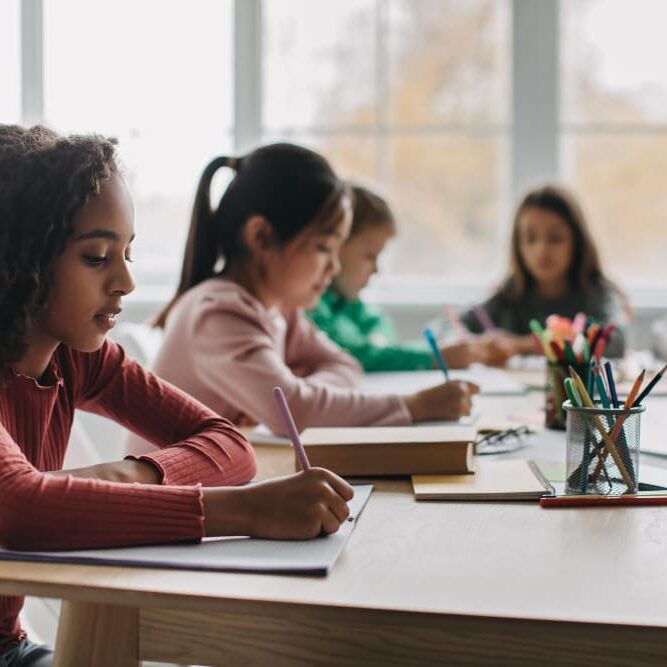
(492, 480)
(240, 554)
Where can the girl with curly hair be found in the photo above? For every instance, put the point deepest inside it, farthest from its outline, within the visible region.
(66, 229)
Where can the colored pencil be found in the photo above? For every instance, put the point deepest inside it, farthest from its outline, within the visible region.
(606, 437)
(291, 428)
(575, 500)
(649, 387)
(439, 359)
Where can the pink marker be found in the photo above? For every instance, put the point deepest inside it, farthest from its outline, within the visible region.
(578, 323)
(484, 319)
(602, 340)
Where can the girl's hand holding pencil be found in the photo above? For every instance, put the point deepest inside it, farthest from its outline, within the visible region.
(307, 504)
(490, 351)
(447, 402)
(310, 503)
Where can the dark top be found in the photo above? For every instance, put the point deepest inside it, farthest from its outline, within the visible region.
(602, 302)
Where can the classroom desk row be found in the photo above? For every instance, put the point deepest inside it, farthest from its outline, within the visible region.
(418, 584)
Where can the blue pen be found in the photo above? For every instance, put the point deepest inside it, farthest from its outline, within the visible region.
(611, 383)
(436, 352)
(602, 391)
(590, 384)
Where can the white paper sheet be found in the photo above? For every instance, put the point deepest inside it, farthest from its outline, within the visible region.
(492, 381)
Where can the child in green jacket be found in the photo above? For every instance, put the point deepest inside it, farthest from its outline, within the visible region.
(364, 330)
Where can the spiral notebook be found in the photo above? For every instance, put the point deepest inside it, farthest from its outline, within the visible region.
(518, 479)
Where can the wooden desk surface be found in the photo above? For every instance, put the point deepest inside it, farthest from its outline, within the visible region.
(455, 561)
(491, 559)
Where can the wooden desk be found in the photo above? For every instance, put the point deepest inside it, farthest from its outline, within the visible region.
(419, 583)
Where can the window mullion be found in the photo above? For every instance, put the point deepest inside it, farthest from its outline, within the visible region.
(32, 62)
(248, 48)
(382, 133)
(535, 92)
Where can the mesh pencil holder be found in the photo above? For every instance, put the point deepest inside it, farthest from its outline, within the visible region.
(557, 371)
(602, 451)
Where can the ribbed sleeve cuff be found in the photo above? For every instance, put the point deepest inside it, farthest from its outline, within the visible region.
(179, 466)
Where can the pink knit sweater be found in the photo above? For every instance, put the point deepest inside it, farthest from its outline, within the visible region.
(225, 348)
(42, 511)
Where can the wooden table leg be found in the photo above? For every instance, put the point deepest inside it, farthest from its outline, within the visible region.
(97, 634)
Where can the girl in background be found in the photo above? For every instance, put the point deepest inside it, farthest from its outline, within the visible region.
(66, 229)
(554, 269)
(236, 328)
(363, 330)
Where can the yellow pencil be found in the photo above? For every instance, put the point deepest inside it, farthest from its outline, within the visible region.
(634, 390)
(611, 446)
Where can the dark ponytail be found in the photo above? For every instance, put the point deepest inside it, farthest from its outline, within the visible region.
(289, 185)
(200, 250)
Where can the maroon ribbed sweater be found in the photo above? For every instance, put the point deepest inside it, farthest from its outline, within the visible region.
(42, 511)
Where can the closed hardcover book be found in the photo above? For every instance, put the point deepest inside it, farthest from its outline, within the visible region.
(391, 450)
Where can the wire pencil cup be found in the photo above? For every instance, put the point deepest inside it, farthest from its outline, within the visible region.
(602, 449)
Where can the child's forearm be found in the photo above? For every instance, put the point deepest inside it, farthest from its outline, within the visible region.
(126, 472)
(226, 512)
(524, 345)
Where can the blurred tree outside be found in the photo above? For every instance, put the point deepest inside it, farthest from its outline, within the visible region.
(442, 135)
(419, 105)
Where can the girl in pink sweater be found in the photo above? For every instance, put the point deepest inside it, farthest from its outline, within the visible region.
(66, 228)
(253, 262)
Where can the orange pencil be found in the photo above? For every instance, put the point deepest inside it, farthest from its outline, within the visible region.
(608, 438)
(634, 390)
(592, 333)
(649, 386)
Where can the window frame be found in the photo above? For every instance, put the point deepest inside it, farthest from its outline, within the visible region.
(534, 130)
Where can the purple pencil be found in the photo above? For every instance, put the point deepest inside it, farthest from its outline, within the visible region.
(291, 428)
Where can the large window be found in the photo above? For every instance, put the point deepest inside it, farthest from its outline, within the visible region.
(10, 61)
(451, 107)
(411, 95)
(614, 129)
(158, 76)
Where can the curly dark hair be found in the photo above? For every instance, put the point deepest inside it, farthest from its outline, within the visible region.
(45, 179)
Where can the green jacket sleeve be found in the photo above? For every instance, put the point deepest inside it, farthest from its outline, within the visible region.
(369, 336)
